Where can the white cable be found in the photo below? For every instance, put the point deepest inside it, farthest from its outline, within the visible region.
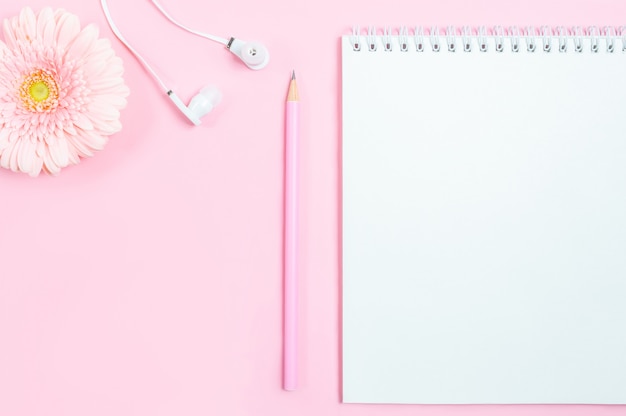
(195, 32)
(117, 33)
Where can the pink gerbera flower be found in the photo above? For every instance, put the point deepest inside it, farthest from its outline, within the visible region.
(61, 90)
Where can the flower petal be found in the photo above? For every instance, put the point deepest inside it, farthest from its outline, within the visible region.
(95, 141)
(59, 151)
(116, 100)
(78, 144)
(73, 155)
(4, 138)
(103, 111)
(107, 127)
(49, 165)
(68, 27)
(85, 40)
(26, 156)
(27, 25)
(13, 157)
(102, 85)
(4, 49)
(45, 22)
(8, 28)
(5, 155)
(82, 121)
(37, 165)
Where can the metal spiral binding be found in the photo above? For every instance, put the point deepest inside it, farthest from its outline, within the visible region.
(482, 39)
(495, 37)
(419, 39)
(434, 39)
(515, 36)
(403, 39)
(499, 37)
(355, 38)
(546, 38)
(562, 33)
(371, 38)
(578, 38)
(387, 39)
(593, 33)
(529, 36)
(610, 38)
(450, 38)
(467, 41)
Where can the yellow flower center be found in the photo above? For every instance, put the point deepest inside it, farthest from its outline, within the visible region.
(39, 91)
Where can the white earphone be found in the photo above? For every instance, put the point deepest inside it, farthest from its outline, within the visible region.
(200, 105)
(253, 54)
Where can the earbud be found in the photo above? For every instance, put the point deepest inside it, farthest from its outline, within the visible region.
(253, 54)
(200, 105)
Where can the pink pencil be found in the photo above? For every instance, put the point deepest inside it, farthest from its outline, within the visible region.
(292, 116)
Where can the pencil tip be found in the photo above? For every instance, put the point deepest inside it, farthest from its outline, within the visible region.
(293, 74)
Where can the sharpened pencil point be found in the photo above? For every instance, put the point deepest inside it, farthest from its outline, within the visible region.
(292, 94)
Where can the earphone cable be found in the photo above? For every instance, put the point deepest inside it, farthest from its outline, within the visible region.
(118, 34)
(195, 32)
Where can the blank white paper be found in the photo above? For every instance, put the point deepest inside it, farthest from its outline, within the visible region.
(484, 226)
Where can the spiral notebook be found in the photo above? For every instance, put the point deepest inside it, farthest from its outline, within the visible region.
(484, 215)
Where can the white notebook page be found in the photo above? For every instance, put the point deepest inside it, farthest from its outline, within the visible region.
(484, 225)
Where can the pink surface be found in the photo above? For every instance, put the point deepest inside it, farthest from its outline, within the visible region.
(148, 279)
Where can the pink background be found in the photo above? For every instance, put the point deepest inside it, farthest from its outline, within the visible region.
(147, 280)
